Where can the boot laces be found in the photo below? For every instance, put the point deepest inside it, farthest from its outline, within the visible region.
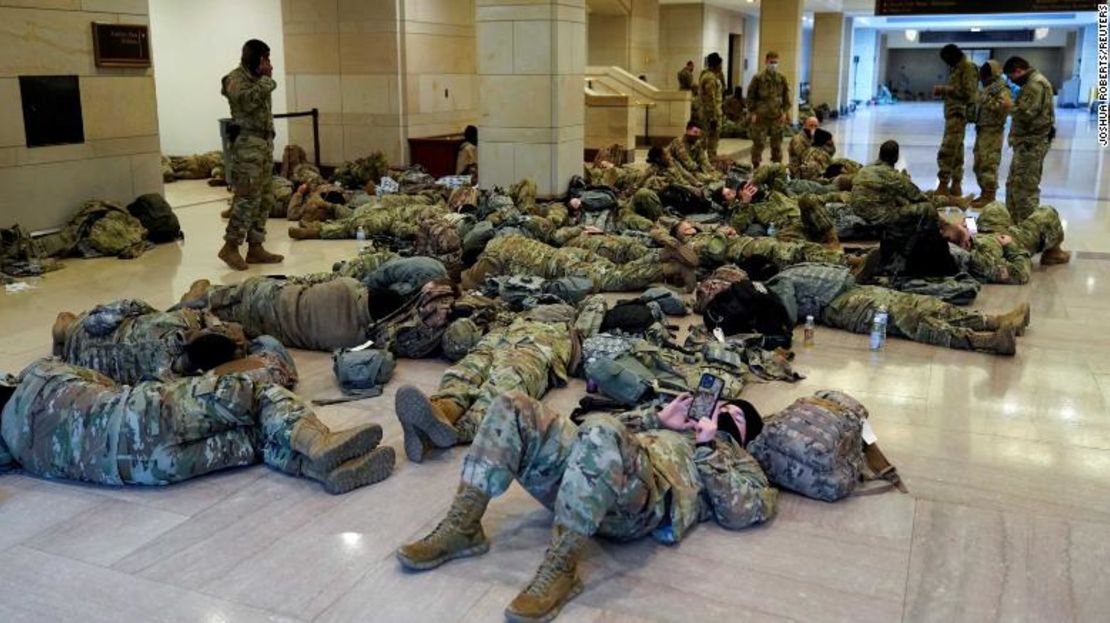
(554, 565)
(455, 519)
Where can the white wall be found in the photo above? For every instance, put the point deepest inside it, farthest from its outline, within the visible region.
(863, 77)
(751, 50)
(1088, 62)
(194, 44)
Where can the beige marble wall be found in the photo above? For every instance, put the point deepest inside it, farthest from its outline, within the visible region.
(827, 64)
(680, 38)
(607, 40)
(780, 29)
(644, 54)
(379, 71)
(120, 156)
(531, 58)
(610, 119)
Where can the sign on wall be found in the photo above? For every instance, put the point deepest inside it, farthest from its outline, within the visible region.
(939, 7)
(121, 45)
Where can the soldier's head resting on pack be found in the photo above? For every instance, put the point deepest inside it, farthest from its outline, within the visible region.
(956, 232)
(254, 52)
(713, 61)
(745, 427)
(888, 152)
(693, 131)
(383, 302)
(683, 230)
(1017, 68)
(772, 61)
(657, 156)
(821, 137)
(209, 350)
(951, 54)
(60, 330)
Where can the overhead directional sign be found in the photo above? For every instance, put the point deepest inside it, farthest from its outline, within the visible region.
(956, 7)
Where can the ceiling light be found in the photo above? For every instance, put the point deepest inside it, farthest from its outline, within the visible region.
(911, 35)
(976, 29)
(1040, 33)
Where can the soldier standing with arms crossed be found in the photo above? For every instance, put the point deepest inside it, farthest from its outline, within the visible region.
(1031, 134)
(769, 100)
(249, 89)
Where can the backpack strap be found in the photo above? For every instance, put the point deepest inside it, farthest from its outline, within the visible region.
(877, 467)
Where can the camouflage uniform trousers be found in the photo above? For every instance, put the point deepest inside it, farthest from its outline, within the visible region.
(613, 247)
(988, 156)
(71, 423)
(781, 253)
(514, 359)
(253, 304)
(1042, 230)
(400, 220)
(517, 255)
(917, 317)
(596, 478)
(1023, 187)
(950, 156)
(762, 131)
(252, 162)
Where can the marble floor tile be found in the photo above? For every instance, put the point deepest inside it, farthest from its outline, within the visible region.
(28, 511)
(106, 533)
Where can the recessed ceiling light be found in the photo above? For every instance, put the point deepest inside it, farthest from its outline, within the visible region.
(976, 29)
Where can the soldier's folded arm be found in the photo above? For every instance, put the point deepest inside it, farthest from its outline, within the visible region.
(252, 94)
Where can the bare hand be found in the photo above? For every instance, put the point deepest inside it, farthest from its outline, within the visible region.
(728, 231)
(706, 428)
(1004, 275)
(747, 193)
(1004, 239)
(786, 117)
(575, 203)
(591, 230)
(673, 416)
(753, 118)
(265, 68)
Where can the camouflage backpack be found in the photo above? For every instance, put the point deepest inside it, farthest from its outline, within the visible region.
(623, 379)
(590, 315)
(717, 281)
(815, 447)
(439, 238)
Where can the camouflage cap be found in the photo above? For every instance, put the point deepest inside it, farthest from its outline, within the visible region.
(461, 337)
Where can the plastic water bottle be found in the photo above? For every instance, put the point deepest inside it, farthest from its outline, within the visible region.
(772, 230)
(878, 328)
(360, 236)
(810, 329)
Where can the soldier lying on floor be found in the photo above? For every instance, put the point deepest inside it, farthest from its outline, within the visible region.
(67, 422)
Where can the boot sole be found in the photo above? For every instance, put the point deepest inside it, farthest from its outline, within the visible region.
(469, 552)
(376, 467)
(414, 410)
(356, 446)
(550, 615)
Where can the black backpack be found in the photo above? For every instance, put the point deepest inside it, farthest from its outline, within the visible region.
(632, 316)
(684, 200)
(745, 308)
(157, 217)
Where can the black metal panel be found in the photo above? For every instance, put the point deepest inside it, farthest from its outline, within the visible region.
(51, 110)
(986, 36)
(959, 7)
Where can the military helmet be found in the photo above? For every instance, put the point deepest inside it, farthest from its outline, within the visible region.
(461, 337)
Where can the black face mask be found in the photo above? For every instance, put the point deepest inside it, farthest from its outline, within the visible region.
(691, 139)
(1022, 80)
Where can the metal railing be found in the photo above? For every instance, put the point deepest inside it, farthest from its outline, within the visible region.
(315, 114)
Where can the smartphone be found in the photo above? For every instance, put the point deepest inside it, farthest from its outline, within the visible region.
(706, 397)
(972, 227)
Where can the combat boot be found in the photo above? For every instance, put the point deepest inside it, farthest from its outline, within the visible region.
(196, 290)
(309, 232)
(325, 450)
(942, 188)
(425, 421)
(256, 254)
(1055, 256)
(60, 330)
(374, 466)
(988, 196)
(957, 189)
(556, 581)
(229, 253)
(1000, 342)
(1017, 319)
(459, 535)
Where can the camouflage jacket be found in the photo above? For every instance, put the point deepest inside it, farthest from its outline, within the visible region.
(963, 88)
(806, 289)
(796, 150)
(769, 95)
(250, 99)
(130, 341)
(878, 187)
(994, 105)
(710, 94)
(814, 162)
(993, 262)
(686, 79)
(1034, 112)
(777, 209)
(693, 158)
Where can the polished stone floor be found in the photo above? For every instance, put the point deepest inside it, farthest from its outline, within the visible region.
(1008, 462)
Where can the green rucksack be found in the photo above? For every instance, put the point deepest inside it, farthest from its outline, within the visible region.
(623, 379)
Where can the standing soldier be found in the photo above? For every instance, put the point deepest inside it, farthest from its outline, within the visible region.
(769, 101)
(686, 77)
(994, 107)
(1031, 134)
(959, 93)
(711, 89)
(248, 89)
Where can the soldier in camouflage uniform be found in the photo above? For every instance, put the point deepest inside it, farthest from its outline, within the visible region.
(195, 167)
(1031, 134)
(994, 107)
(646, 472)
(100, 228)
(959, 94)
(711, 101)
(517, 255)
(66, 422)
(765, 203)
(829, 294)
(686, 77)
(1002, 252)
(724, 246)
(800, 143)
(249, 89)
(534, 353)
(689, 152)
(817, 157)
(362, 172)
(396, 216)
(769, 101)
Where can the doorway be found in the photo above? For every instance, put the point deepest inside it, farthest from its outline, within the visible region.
(735, 61)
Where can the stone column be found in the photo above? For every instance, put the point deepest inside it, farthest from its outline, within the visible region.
(780, 29)
(531, 62)
(827, 69)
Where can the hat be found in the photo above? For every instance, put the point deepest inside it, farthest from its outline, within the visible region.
(713, 59)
